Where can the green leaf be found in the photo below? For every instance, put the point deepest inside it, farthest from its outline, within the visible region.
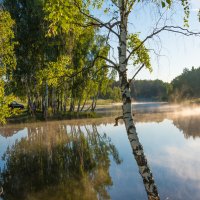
(163, 4)
(169, 2)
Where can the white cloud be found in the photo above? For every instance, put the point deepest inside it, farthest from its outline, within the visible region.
(184, 162)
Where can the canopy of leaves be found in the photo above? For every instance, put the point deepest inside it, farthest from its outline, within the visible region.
(7, 61)
(7, 58)
(54, 71)
(63, 16)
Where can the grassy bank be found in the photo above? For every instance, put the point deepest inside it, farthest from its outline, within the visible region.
(25, 117)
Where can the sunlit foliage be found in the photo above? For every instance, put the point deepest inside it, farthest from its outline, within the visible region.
(7, 61)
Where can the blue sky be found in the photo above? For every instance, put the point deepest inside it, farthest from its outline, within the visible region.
(177, 51)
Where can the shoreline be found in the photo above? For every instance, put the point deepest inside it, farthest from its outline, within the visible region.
(100, 112)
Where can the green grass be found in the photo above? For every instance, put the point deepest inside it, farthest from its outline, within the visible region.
(25, 117)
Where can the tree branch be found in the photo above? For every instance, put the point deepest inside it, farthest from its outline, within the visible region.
(129, 8)
(99, 23)
(117, 120)
(175, 29)
(115, 66)
(130, 80)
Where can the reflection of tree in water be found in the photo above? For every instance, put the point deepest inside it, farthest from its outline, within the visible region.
(8, 132)
(150, 117)
(54, 164)
(188, 124)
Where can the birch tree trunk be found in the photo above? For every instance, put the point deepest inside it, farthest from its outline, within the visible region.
(61, 100)
(65, 100)
(83, 104)
(137, 148)
(46, 101)
(93, 104)
(79, 105)
(53, 101)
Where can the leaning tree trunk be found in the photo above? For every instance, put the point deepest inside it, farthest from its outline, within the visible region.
(79, 105)
(93, 104)
(83, 104)
(137, 148)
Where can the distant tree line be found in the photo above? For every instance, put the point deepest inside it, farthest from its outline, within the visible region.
(141, 90)
(186, 86)
(155, 90)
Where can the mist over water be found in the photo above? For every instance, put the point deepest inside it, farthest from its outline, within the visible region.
(92, 159)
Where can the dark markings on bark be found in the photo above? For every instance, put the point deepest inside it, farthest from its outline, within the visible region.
(126, 113)
(141, 160)
(132, 140)
(126, 117)
(126, 99)
(129, 128)
(123, 73)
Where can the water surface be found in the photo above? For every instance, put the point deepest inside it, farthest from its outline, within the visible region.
(92, 159)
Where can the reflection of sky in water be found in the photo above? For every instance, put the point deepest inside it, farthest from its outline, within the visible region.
(7, 142)
(174, 160)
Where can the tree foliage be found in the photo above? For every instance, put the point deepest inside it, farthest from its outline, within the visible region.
(149, 90)
(55, 56)
(7, 61)
(187, 85)
(141, 54)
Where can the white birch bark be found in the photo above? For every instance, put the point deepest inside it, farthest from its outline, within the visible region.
(137, 148)
(46, 100)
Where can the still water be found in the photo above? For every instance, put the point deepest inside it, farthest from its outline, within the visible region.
(92, 159)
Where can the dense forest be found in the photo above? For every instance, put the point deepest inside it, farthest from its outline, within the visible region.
(50, 62)
(50, 68)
